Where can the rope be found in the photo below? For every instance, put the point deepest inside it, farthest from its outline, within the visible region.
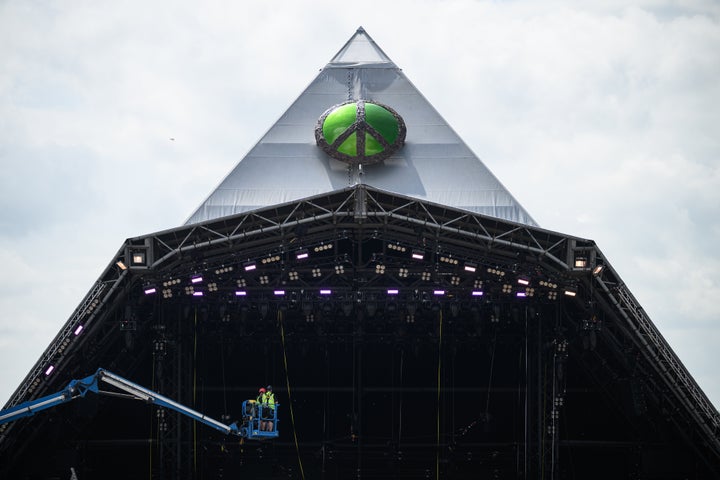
(287, 383)
(437, 455)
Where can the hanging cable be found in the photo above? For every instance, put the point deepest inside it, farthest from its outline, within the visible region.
(195, 393)
(287, 383)
(437, 455)
(492, 363)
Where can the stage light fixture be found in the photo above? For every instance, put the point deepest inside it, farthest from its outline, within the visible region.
(264, 280)
(478, 284)
(548, 284)
(570, 292)
(397, 247)
(293, 275)
(380, 269)
(477, 293)
(470, 267)
(196, 279)
(270, 259)
(439, 293)
(302, 254)
(454, 280)
(279, 293)
(392, 291)
(197, 294)
(581, 262)
(520, 295)
(137, 259)
(49, 370)
(598, 270)
(212, 287)
(241, 283)
(403, 273)
(325, 291)
(171, 282)
(78, 330)
(167, 293)
(223, 269)
(450, 260)
(426, 276)
(496, 271)
(316, 272)
(523, 281)
(507, 288)
(339, 269)
(240, 293)
(189, 290)
(552, 295)
(121, 265)
(418, 254)
(322, 247)
(249, 266)
(149, 290)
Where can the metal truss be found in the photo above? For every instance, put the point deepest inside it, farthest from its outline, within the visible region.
(357, 216)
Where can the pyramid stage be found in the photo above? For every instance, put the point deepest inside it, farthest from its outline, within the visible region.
(413, 319)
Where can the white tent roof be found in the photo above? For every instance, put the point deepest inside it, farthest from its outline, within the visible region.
(434, 165)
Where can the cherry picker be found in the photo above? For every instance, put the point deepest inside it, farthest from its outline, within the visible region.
(253, 415)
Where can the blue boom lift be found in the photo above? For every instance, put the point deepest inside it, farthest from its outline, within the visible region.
(254, 416)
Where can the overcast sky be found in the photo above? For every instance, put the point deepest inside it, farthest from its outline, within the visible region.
(603, 121)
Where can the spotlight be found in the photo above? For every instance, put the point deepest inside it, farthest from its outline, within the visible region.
(240, 293)
(520, 295)
(392, 291)
(418, 254)
(196, 279)
(316, 272)
(478, 284)
(598, 270)
(450, 260)
(523, 281)
(241, 283)
(322, 247)
(279, 293)
(581, 262)
(396, 247)
(403, 273)
(380, 269)
(339, 269)
(212, 287)
(325, 291)
(454, 280)
(138, 259)
(150, 290)
(270, 259)
(121, 265)
(570, 292)
(197, 294)
(426, 276)
(293, 275)
(495, 271)
(477, 293)
(264, 279)
(470, 267)
(49, 370)
(249, 266)
(439, 292)
(507, 288)
(78, 330)
(167, 293)
(302, 254)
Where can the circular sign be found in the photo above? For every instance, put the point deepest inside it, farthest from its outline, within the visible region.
(360, 132)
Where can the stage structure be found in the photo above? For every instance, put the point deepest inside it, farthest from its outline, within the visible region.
(413, 319)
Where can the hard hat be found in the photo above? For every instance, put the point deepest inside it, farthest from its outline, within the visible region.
(269, 387)
(262, 390)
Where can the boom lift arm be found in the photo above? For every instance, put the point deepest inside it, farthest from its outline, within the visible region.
(250, 427)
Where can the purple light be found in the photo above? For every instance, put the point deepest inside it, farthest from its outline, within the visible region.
(78, 330)
(240, 293)
(250, 266)
(149, 291)
(196, 280)
(197, 294)
(49, 370)
(521, 294)
(279, 292)
(393, 291)
(325, 292)
(477, 293)
(418, 254)
(302, 255)
(438, 292)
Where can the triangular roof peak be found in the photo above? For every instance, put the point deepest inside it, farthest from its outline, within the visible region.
(434, 163)
(361, 49)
